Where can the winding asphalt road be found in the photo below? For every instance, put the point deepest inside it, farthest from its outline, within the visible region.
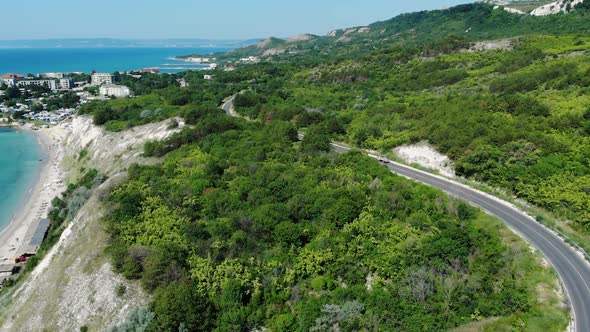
(572, 267)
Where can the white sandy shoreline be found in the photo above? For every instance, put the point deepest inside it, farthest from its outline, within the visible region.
(48, 184)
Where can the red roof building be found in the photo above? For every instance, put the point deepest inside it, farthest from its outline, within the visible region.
(11, 76)
(150, 70)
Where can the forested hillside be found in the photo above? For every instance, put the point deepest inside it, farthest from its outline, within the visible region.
(246, 228)
(243, 227)
(518, 119)
(514, 113)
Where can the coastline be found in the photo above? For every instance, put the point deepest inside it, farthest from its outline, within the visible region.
(47, 184)
(206, 65)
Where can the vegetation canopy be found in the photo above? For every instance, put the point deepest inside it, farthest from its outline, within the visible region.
(243, 227)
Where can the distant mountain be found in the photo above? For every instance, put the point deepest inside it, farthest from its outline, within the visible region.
(110, 42)
(460, 25)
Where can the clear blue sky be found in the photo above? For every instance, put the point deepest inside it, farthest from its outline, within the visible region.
(40, 19)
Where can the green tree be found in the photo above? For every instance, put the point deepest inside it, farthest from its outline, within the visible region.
(316, 140)
(179, 304)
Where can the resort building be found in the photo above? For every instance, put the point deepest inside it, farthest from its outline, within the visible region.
(10, 79)
(7, 81)
(101, 78)
(50, 84)
(118, 91)
(52, 75)
(66, 84)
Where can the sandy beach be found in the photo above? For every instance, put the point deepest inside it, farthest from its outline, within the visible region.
(48, 184)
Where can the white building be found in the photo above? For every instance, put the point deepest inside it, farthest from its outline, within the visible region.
(53, 75)
(101, 78)
(200, 60)
(119, 91)
(8, 81)
(250, 59)
(66, 84)
(183, 83)
(208, 77)
(46, 83)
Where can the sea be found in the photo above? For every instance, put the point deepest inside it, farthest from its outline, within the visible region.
(20, 162)
(109, 59)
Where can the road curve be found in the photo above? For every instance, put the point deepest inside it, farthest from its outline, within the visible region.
(572, 267)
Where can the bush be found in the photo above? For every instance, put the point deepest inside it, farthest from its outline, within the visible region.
(316, 140)
(120, 290)
(138, 320)
(116, 126)
(249, 99)
(181, 304)
(83, 154)
(104, 115)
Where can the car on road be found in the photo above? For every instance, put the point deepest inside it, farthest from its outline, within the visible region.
(383, 160)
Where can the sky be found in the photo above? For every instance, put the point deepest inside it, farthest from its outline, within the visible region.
(221, 19)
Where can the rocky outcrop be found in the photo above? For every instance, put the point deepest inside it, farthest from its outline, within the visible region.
(506, 44)
(543, 9)
(333, 33)
(560, 6)
(113, 152)
(300, 38)
(344, 39)
(427, 156)
(274, 51)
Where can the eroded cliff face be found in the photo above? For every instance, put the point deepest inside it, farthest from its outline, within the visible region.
(74, 285)
(110, 153)
(556, 7)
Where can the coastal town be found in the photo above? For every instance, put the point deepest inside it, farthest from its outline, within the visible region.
(46, 99)
(50, 98)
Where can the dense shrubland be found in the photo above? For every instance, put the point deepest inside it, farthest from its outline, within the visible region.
(515, 119)
(241, 227)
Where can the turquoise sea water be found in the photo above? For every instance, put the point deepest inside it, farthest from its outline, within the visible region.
(111, 59)
(19, 166)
